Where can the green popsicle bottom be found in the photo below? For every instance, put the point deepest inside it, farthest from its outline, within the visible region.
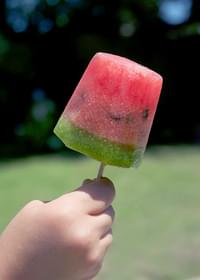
(101, 149)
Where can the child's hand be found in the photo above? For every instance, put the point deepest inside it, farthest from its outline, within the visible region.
(65, 239)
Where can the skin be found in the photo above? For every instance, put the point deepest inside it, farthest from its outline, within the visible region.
(66, 238)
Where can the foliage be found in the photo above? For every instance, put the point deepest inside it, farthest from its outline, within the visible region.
(46, 44)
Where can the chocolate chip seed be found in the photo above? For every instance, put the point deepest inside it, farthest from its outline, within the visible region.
(145, 114)
(127, 118)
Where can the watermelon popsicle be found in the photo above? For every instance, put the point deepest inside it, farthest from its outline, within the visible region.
(111, 111)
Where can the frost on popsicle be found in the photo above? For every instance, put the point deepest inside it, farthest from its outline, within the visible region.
(111, 111)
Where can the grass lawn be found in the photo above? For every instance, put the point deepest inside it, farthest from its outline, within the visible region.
(157, 227)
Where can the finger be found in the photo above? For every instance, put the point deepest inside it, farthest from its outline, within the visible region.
(96, 196)
(86, 181)
(105, 242)
(93, 197)
(63, 199)
(109, 232)
(104, 221)
(102, 247)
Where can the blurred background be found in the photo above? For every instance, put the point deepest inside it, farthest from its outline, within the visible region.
(45, 46)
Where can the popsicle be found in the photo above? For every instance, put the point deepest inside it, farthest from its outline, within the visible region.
(111, 111)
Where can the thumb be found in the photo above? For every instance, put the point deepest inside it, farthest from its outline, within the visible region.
(96, 195)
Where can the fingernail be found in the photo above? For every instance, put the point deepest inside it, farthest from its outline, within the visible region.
(106, 180)
(87, 181)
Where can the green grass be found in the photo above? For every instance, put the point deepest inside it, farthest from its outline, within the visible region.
(157, 227)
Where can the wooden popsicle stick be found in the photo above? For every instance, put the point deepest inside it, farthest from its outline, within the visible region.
(100, 172)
